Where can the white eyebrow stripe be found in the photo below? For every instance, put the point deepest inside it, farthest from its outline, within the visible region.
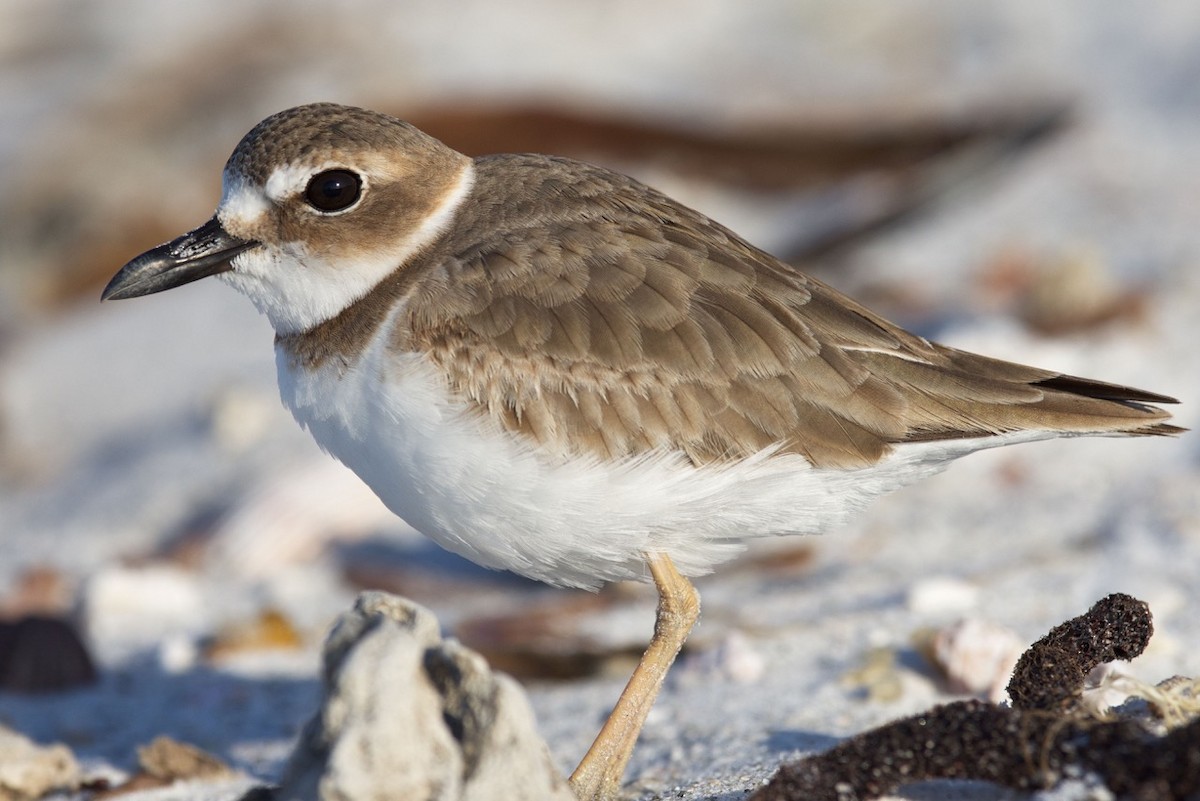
(290, 180)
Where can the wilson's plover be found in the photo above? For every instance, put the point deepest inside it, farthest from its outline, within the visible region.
(553, 369)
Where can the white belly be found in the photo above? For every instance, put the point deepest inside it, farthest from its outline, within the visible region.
(485, 494)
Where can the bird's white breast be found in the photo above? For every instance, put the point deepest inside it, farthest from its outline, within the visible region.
(488, 495)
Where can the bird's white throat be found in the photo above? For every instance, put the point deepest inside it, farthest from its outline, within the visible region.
(298, 289)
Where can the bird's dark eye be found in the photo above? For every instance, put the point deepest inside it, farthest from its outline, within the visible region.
(333, 190)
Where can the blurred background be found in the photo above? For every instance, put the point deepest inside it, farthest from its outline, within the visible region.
(1018, 178)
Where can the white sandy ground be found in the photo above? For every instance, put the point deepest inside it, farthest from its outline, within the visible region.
(128, 423)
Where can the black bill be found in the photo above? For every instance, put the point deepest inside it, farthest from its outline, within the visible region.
(197, 254)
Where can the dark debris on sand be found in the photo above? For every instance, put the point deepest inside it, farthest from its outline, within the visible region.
(1034, 745)
(1050, 674)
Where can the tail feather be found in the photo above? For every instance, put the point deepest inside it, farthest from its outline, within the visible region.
(1101, 390)
(1000, 402)
(1114, 408)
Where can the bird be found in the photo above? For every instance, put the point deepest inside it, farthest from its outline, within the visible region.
(553, 369)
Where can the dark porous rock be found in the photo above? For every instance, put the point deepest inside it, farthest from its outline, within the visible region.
(1035, 745)
(1050, 674)
(40, 654)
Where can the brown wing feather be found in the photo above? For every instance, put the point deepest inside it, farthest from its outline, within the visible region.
(606, 319)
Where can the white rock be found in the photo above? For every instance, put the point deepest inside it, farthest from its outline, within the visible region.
(241, 417)
(942, 595)
(410, 716)
(734, 659)
(28, 770)
(977, 656)
(178, 654)
(291, 518)
(129, 609)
